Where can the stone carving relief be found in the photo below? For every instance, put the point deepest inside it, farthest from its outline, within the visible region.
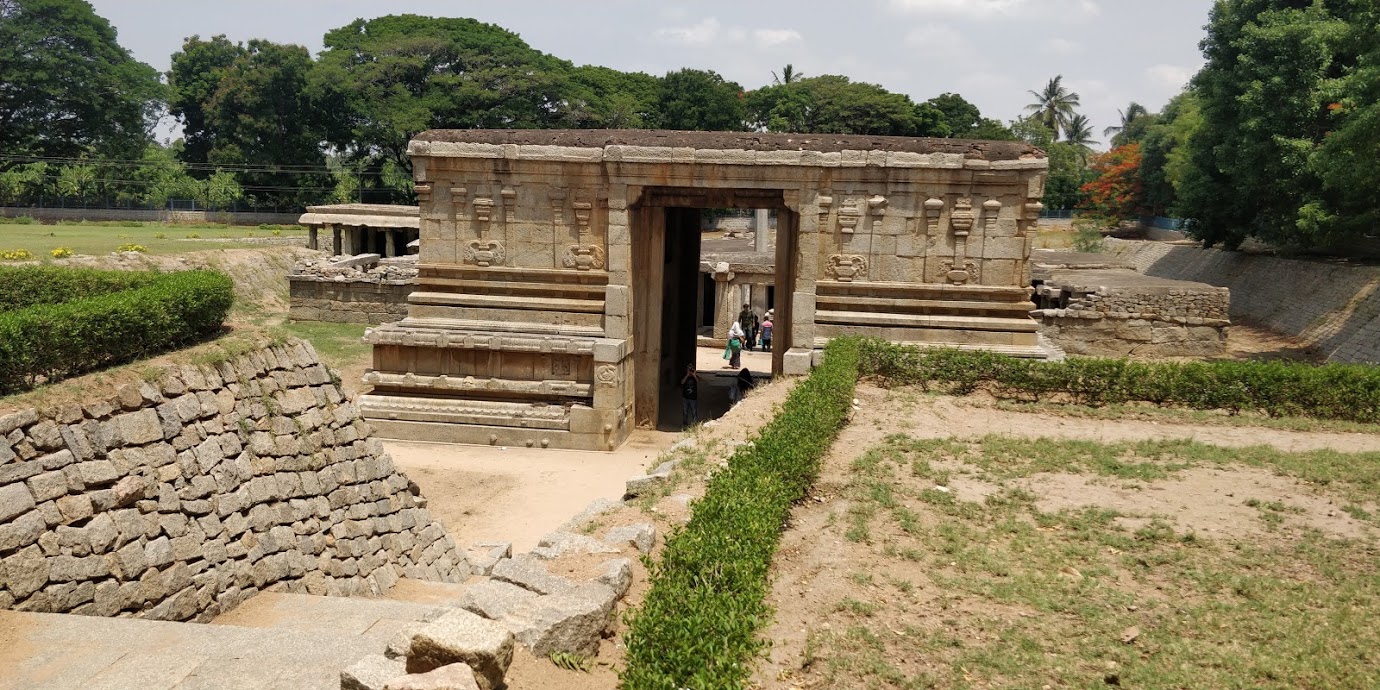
(825, 202)
(423, 190)
(584, 257)
(961, 220)
(961, 272)
(560, 366)
(459, 198)
(847, 268)
(558, 207)
(485, 253)
(484, 213)
(991, 210)
(607, 376)
(509, 205)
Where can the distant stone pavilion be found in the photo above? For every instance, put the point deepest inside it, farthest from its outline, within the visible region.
(559, 271)
(363, 228)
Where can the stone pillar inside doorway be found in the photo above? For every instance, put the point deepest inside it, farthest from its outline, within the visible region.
(726, 304)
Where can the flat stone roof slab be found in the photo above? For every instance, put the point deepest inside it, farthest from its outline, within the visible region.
(727, 148)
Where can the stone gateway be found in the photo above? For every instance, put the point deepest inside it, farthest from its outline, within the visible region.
(556, 296)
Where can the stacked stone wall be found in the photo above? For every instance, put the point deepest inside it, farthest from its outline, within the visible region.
(348, 301)
(1331, 305)
(1150, 321)
(179, 497)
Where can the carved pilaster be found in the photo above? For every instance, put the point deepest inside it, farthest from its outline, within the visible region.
(934, 208)
(423, 193)
(509, 195)
(991, 209)
(849, 214)
(877, 205)
(584, 210)
(484, 213)
(825, 203)
(962, 220)
(459, 199)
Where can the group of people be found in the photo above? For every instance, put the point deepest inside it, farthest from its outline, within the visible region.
(690, 392)
(748, 332)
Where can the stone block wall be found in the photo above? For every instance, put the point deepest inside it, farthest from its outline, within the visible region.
(1330, 305)
(348, 301)
(179, 498)
(1133, 316)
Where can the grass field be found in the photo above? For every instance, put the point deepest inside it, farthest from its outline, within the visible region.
(156, 238)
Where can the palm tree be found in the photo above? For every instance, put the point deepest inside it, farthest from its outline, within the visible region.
(788, 75)
(1079, 131)
(1054, 105)
(1129, 115)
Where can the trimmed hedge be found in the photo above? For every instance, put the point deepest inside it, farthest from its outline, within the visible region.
(1333, 391)
(698, 626)
(29, 286)
(48, 342)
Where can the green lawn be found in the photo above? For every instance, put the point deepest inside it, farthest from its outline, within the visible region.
(156, 238)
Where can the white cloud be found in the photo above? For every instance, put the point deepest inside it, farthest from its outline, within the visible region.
(770, 38)
(995, 9)
(1172, 77)
(705, 32)
(1060, 46)
(710, 31)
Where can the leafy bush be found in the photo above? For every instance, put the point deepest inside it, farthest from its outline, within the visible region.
(50, 341)
(1087, 237)
(193, 236)
(24, 220)
(27, 286)
(62, 252)
(698, 626)
(1333, 391)
(160, 235)
(131, 247)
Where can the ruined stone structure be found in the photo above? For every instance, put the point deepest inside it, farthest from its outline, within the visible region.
(556, 297)
(362, 228)
(180, 497)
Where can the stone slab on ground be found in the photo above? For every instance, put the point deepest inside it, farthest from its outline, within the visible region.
(371, 673)
(641, 536)
(43, 651)
(463, 637)
(531, 574)
(572, 622)
(378, 618)
(494, 599)
(452, 677)
(557, 544)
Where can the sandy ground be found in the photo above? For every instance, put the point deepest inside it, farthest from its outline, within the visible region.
(483, 493)
(812, 570)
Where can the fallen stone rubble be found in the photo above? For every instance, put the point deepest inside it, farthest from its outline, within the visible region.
(370, 268)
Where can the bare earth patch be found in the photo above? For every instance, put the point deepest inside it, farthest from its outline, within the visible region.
(1131, 554)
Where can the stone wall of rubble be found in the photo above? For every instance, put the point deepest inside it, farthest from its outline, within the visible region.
(366, 289)
(180, 497)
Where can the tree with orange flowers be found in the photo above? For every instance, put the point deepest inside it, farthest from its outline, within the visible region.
(1117, 193)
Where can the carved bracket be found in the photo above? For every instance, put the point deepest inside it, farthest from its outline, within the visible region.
(584, 257)
(423, 192)
(558, 206)
(584, 210)
(825, 202)
(962, 218)
(459, 198)
(509, 205)
(847, 268)
(934, 208)
(485, 253)
(484, 213)
(849, 214)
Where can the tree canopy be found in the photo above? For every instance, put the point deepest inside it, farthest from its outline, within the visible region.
(67, 88)
(835, 104)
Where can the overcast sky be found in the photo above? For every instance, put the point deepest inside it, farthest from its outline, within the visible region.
(991, 51)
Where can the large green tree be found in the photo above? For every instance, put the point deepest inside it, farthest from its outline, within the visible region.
(1068, 169)
(1273, 72)
(67, 87)
(193, 81)
(835, 104)
(605, 98)
(694, 99)
(400, 75)
(1164, 151)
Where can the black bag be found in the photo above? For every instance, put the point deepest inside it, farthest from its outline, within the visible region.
(690, 389)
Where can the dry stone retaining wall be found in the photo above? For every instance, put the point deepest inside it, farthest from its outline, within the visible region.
(180, 498)
(1332, 306)
(352, 289)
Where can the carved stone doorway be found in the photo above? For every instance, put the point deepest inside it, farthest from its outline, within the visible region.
(665, 227)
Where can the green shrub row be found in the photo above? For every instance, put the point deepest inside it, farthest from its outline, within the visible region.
(48, 342)
(27, 286)
(698, 626)
(1333, 391)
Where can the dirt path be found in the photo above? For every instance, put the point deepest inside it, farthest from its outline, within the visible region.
(914, 413)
